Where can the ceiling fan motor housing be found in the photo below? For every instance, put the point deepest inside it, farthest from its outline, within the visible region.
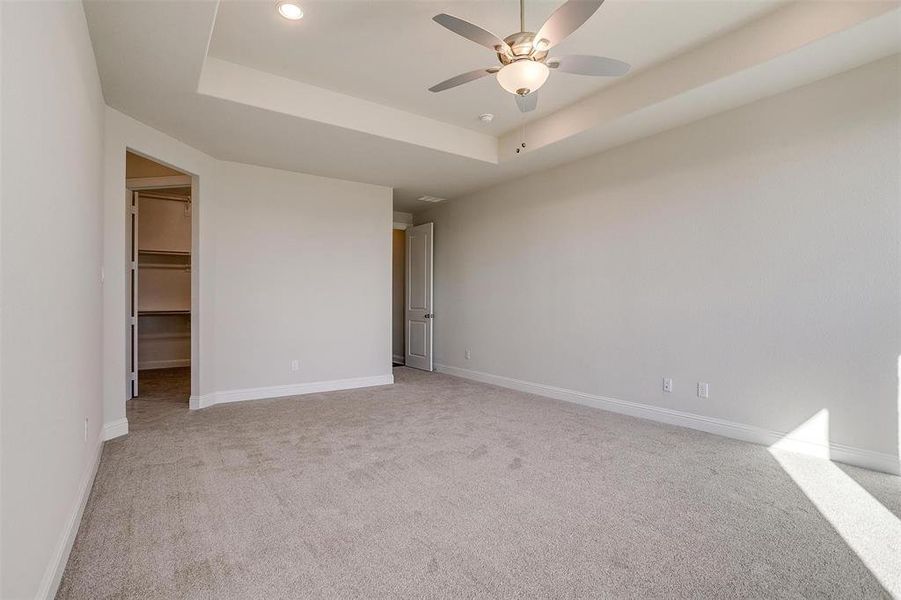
(522, 47)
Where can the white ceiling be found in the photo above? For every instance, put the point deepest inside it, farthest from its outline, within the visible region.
(392, 52)
(342, 93)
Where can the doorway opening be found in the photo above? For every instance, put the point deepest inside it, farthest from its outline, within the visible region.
(398, 287)
(159, 201)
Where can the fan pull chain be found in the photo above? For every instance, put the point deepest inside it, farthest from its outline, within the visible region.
(522, 138)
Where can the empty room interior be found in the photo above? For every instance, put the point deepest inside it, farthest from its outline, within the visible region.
(450, 299)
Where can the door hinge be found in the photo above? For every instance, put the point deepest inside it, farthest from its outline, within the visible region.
(134, 320)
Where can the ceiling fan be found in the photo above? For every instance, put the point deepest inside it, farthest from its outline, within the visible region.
(525, 64)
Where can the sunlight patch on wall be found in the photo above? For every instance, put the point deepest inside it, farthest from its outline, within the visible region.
(868, 528)
(810, 437)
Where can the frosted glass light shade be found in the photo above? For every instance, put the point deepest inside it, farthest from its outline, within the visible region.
(528, 75)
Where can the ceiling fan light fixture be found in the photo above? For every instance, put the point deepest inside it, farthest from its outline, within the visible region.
(289, 10)
(524, 55)
(523, 76)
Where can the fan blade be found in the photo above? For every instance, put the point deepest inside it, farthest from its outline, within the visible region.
(472, 32)
(565, 20)
(461, 79)
(596, 66)
(527, 103)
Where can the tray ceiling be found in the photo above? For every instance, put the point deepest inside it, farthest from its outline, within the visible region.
(343, 92)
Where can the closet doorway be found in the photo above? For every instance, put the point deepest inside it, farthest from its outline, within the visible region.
(398, 267)
(160, 216)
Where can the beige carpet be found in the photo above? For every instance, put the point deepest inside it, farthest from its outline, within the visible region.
(165, 385)
(437, 487)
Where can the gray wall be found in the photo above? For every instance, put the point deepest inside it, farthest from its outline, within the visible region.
(285, 266)
(50, 342)
(301, 271)
(756, 250)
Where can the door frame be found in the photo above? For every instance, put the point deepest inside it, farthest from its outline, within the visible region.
(135, 282)
(135, 185)
(395, 358)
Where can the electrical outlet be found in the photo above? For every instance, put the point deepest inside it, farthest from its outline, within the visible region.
(703, 390)
(667, 385)
(467, 354)
(295, 365)
(85, 429)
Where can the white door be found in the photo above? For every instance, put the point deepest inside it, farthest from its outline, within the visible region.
(132, 199)
(419, 316)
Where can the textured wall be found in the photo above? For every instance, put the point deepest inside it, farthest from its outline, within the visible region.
(756, 250)
(52, 141)
(302, 272)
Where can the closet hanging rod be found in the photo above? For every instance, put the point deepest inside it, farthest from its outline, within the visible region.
(184, 199)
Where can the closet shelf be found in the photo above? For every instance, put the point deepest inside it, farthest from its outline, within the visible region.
(154, 313)
(164, 252)
(182, 335)
(184, 267)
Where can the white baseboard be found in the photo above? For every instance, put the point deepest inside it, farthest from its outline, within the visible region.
(54, 571)
(115, 429)
(748, 433)
(278, 391)
(164, 364)
(399, 358)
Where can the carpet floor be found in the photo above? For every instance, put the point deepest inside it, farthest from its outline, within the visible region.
(440, 487)
(165, 385)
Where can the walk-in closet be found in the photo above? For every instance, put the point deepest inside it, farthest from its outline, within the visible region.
(161, 213)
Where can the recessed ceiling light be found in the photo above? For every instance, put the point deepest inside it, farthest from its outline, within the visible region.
(486, 117)
(431, 199)
(290, 10)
